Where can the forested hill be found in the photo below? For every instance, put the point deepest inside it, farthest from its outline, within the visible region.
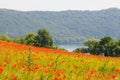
(64, 26)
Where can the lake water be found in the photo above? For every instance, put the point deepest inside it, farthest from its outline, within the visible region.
(71, 47)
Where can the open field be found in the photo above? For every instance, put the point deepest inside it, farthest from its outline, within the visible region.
(21, 62)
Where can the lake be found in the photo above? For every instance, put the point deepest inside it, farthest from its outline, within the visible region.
(71, 47)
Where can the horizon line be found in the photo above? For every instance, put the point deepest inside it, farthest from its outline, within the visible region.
(61, 10)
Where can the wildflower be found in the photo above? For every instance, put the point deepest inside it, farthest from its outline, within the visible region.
(1, 70)
(92, 71)
(87, 79)
(5, 65)
(30, 69)
(14, 77)
(114, 77)
(76, 67)
(56, 79)
(58, 73)
(117, 71)
(64, 77)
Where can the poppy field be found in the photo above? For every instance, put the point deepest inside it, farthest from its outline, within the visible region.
(21, 62)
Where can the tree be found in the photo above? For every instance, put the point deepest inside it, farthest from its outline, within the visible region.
(105, 45)
(81, 50)
(117, 48)
(118, 42)
(105, 40)
(30, 39)
(43, 39)
(117, 51)
(20, 40)
(5, 38)
(93, 45)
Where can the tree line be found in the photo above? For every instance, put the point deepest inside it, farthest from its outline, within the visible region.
(105, 46)
(41, 39)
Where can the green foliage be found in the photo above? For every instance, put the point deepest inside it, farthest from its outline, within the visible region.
(5, 38)
(43, 39)
(81, 50)
(106, 46)
(117, 51)
(20, 40)
(105, 40)
(64, 26)
(78, 50)
(30, 39)
(93, 45)
(30, 60)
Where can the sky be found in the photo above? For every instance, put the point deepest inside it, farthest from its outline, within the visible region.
(58, 5)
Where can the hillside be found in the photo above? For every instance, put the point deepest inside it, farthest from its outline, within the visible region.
(64, 26)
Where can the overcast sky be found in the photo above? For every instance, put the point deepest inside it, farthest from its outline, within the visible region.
(58, 5)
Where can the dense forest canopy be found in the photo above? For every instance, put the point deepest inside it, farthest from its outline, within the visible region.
(64, 26)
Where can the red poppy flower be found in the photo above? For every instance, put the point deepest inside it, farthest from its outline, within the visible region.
(1, 70)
